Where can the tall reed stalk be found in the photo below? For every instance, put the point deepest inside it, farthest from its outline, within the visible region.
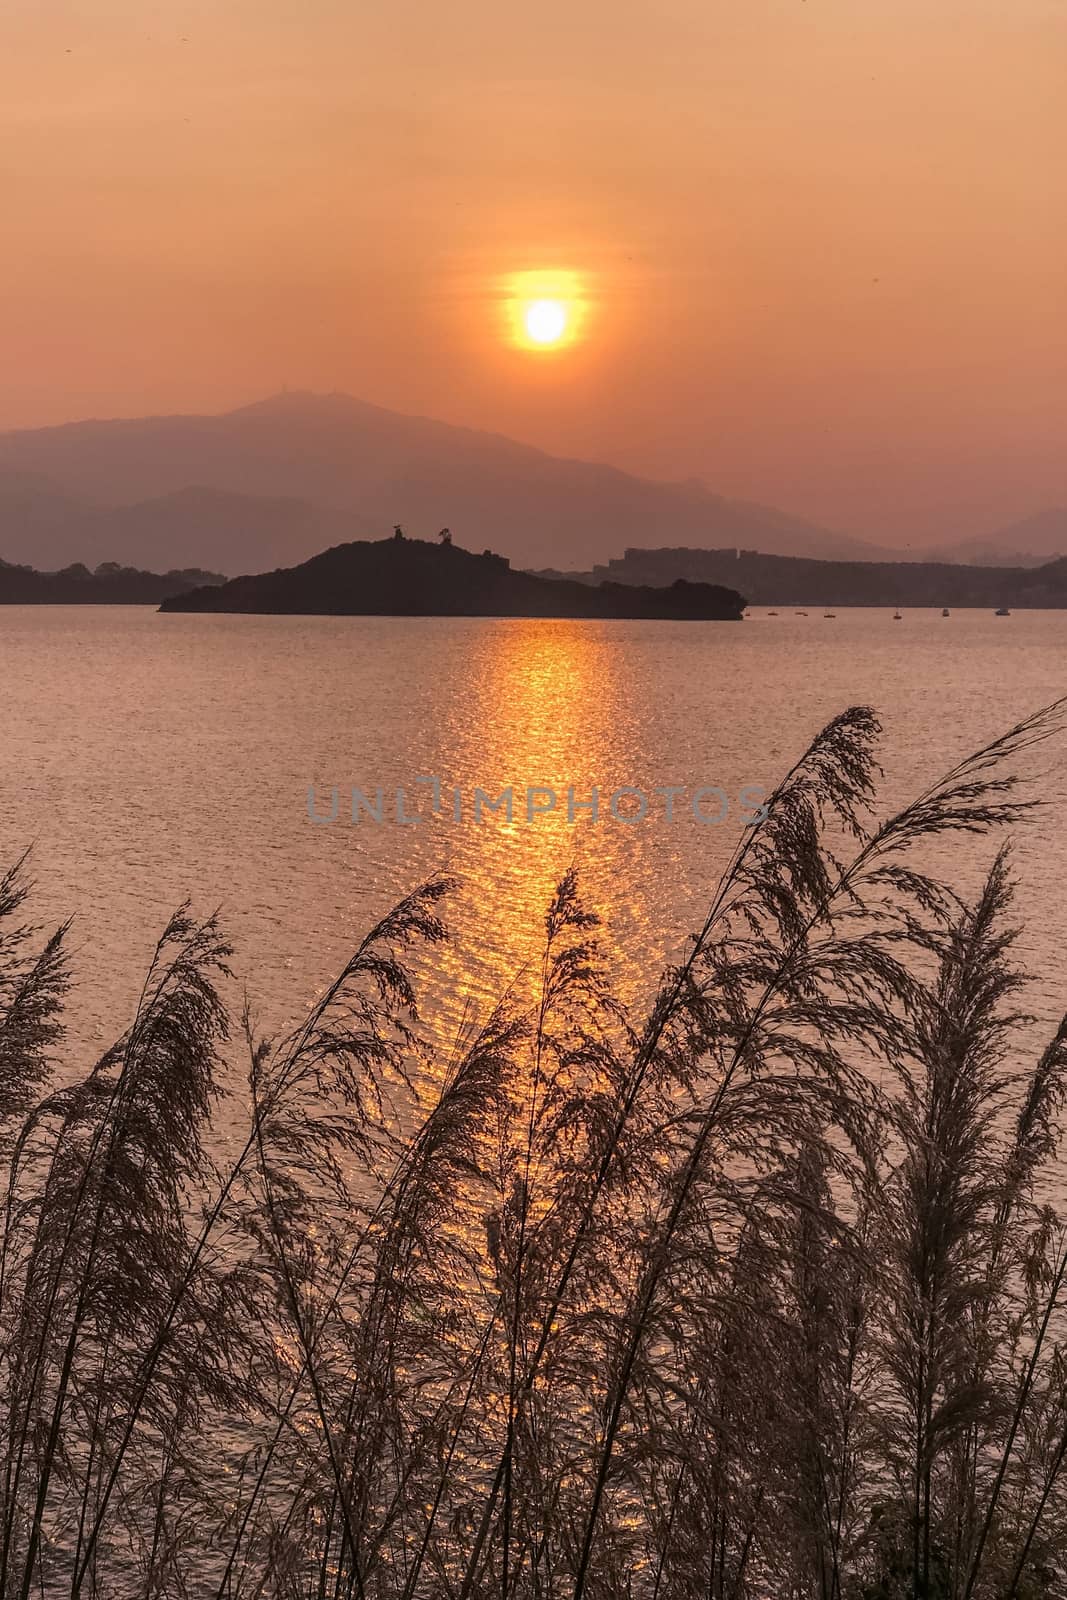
(760, 1296)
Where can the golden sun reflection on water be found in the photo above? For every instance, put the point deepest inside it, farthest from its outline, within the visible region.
(566, 706)
(190, 777)
(528, 726)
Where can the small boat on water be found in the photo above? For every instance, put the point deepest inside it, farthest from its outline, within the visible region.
(800, 613)
(772, 613)
(897, 617)
(944, 611)
(1002, 611)
(829, 616)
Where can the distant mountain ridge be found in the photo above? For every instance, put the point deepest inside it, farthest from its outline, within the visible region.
(272, 482)
(328, 458)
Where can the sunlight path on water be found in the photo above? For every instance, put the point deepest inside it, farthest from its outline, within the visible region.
(149, 758)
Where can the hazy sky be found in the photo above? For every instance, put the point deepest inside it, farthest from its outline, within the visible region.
(823, 242)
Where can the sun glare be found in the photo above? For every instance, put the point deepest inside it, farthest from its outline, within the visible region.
(546, 321)
(545, 310)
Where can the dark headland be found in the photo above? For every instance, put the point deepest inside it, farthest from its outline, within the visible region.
(403, 577)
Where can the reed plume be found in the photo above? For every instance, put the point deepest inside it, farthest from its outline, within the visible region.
(760, 1294)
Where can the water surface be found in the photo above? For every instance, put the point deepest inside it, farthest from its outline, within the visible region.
(149, 758)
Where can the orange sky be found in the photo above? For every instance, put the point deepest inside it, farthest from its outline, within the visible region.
(825, 240)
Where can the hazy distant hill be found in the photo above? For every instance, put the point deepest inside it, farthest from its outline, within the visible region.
(33, 513)
(199, 527)
(793, 581)
(413, 578)
(294, 467)
(1036, 539)
(272, 482)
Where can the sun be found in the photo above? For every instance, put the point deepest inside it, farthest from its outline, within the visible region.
(545, 310)
(545, 321)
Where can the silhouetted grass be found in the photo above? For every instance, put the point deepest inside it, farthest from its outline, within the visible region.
(759, 1297)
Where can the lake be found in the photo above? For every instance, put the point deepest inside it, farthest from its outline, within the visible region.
(151, 758)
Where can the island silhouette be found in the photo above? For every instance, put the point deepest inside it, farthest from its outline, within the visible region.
(406, 577)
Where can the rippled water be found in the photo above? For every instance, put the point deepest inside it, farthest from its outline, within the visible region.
(150, 758)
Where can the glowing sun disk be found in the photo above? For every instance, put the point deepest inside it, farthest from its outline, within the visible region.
(546, 321)
(544, 310)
